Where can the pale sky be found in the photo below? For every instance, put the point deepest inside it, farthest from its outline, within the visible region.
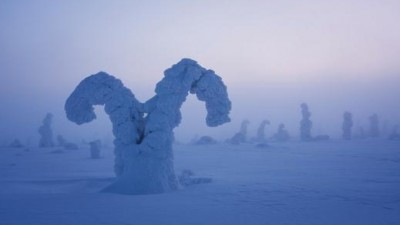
(272, 55)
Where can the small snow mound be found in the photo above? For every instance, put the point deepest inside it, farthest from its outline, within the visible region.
(186, 179)
(206, 140)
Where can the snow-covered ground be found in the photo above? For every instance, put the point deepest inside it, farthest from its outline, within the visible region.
(321, 183)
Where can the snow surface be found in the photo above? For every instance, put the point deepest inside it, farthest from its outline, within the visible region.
(311, 183)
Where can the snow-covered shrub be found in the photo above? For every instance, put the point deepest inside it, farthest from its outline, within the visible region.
(205, 140)
(305, 123)
(187, 178)
(347, 125)
(65, 144)
(46, 133)
(144, 131)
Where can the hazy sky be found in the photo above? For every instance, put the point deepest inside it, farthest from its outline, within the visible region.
(273, 55)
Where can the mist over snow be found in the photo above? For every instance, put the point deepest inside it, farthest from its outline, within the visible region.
(272, 55)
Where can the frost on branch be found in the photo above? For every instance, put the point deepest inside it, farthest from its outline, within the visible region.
(143, 144)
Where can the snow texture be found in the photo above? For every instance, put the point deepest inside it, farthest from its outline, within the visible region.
(347, 125)
(46, 133)
(143, 144)
(334, 182)
(305, 123)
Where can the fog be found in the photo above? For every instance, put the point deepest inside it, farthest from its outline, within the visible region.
(272, 56)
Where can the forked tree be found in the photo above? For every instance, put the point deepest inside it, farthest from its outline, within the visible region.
(144, 131)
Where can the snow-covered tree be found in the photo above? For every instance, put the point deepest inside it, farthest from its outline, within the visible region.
(305, 123)
(46, 133)
(95, 147)
(241, 136)
(261, 131)
(144, 131)
(347, 125)
(282, 134)
(374, 126)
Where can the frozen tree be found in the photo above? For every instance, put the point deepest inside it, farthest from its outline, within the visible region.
(360, 133)
(282, 134)
(374, 126)
(305, 123)
(95, 147)
(46, 133)
(144, 131)
(347, 125)
(261, 131)
(241, 136)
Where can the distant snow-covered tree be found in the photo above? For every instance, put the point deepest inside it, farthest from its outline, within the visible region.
(282, 134)
(95, 147)
(46, 133)
(374, 126)
(144, 131)
(305, 123)
(261, 131)
(347, 125)
(241, 136)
